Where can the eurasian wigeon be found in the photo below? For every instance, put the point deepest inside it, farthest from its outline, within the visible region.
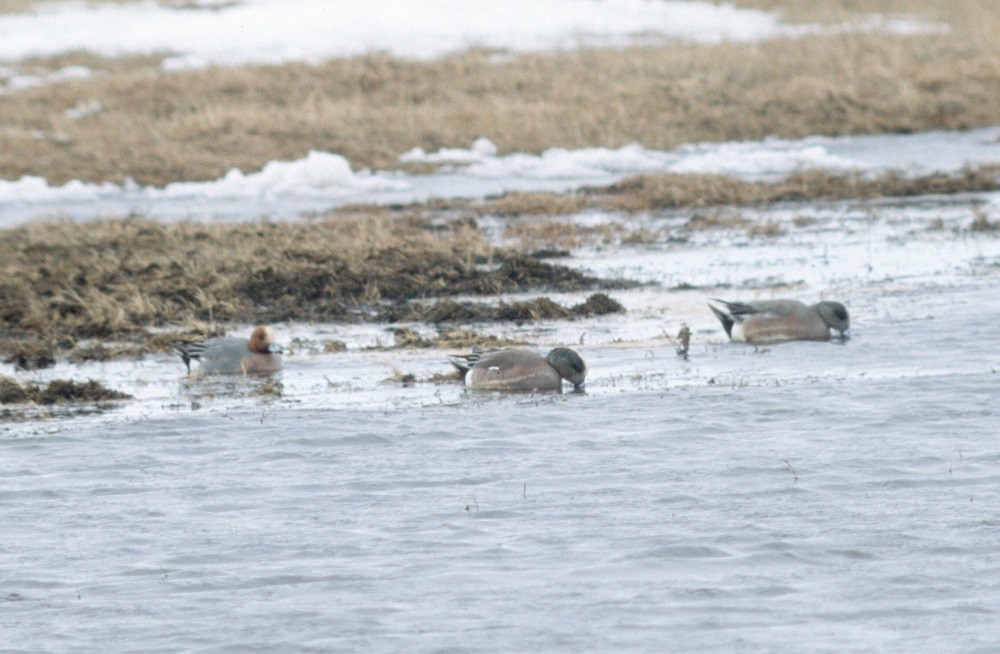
(234, 356)
(772, 321)
(521, 370)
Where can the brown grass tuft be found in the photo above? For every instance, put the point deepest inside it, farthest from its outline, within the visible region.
(29, 353)
(541, 308)
(557, 235)
(534, 204)
(981, 224)
(672, 191)
(768, 228)
(117, 278)
(57, 391)
(665, 191)
(102, 352)
(454, 338)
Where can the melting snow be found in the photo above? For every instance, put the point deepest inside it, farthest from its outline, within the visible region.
(273, 31)
(323, 180)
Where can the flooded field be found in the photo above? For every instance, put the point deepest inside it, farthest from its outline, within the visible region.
(170, 167)
(835, 496)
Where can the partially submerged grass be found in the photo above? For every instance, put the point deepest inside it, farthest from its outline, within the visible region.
(711, 200)
(97, 351)
(558, 235)
(672, 191)
(157, 128)
(517, 203)
(300, 345)
(268, 388)
(982, 224)
(65, 281)
(29, 353)
(57, 391)
(768, 228)
(541, 308)
(660, 191)
(450, 339)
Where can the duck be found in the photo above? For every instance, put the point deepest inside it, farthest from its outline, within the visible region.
(774, 321)
(259, 355)
(516, 369)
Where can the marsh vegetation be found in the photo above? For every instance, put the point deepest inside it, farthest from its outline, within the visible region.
(157, 128)
(142, 283)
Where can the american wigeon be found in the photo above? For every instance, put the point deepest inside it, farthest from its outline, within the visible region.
(228, 356)
(521, 370)
(772, 321)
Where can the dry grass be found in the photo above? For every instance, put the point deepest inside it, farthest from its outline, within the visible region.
(701, 222)
(680, 191)
(158, 128)
(981, 224)
(62, 281)
(105, 352)
(553, 236)
(971, 17)
(671, 191)
(541, 308)
(455, 338)
(57, 391)
(536, 204)
(543, 230)
(16, 6)
(561, 235)
(765, 229)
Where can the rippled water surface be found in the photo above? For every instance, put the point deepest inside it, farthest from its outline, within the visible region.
(800, 497)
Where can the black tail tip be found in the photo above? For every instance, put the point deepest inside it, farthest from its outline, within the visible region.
(726, 320)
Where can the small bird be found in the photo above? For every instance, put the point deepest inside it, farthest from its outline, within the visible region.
(520, 370)
(773, 321)
(227, 356)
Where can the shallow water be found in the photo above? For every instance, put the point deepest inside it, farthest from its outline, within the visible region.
(805, 496)
(849, 506)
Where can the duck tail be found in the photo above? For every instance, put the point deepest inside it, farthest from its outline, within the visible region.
(461, 363)
(464, 362)
(725, 318)
(189, 351)
(738, 309)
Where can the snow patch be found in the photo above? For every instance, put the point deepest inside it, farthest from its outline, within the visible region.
(323, 180)
(768, 158)
(319, 175)
(14, 81)
(276, 31)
